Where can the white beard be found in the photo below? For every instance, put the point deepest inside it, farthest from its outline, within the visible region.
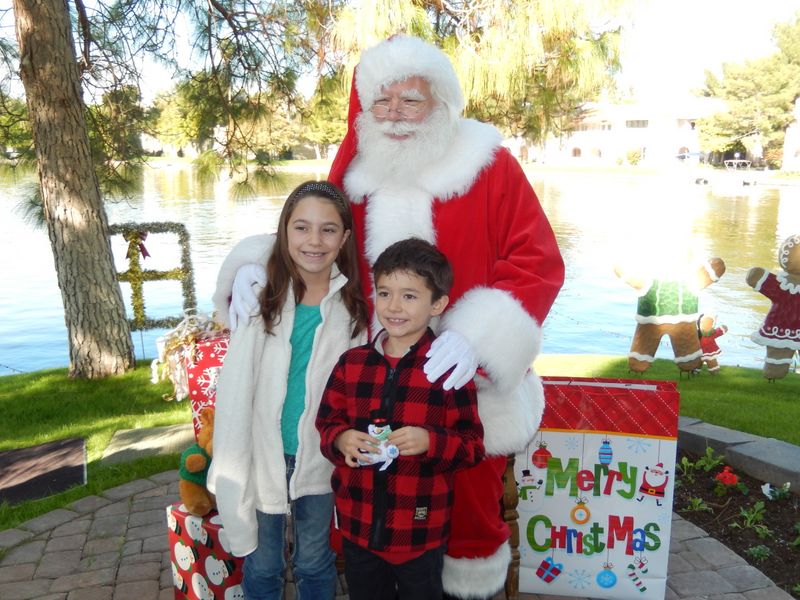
(391, 161)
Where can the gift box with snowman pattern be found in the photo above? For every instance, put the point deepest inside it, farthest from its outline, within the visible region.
(202, 565)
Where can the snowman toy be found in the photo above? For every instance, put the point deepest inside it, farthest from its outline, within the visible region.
(387, 452)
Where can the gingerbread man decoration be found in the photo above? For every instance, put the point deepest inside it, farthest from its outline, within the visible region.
(708, 331)
(669, 306)
(780, 332)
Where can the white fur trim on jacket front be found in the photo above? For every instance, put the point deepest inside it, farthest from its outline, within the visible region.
(248, 471)
(476, 577)
(254, 249)
(401, 210)
(472, 150)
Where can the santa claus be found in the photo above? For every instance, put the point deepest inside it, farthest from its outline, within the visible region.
(413, 167)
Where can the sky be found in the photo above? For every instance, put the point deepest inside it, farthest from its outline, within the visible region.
(673, 42)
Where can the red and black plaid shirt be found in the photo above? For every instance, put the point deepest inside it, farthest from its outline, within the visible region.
(405, 508)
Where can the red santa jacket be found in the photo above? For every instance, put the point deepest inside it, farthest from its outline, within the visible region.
(478, 207)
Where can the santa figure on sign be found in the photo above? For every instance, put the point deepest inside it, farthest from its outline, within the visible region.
(654, 483)
(413, 167)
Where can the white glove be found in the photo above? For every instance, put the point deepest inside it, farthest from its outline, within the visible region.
(451, 350)
(244, 296)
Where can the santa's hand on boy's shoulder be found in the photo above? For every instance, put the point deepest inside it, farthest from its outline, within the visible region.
(411, 441)
(356, 445)
(451, 350)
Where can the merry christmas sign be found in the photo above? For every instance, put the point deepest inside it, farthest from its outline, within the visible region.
(595, 490)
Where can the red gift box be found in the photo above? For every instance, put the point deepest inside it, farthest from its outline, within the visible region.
(202, 565)
(549, 570)
(203, 372)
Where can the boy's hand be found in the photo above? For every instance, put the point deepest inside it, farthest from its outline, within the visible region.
(411, 440)
(353, 444)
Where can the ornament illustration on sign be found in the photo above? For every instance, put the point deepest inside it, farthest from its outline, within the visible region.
(541, 456)
(606, 578)
(605, 454)
(580, 514)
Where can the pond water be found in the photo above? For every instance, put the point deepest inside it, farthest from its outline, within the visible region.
(601, 220)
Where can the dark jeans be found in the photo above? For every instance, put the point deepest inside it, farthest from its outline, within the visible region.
(369, 577)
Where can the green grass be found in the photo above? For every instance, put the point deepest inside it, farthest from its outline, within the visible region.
(48, 406)
(736, 398)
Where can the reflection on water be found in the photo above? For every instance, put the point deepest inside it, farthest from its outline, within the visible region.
(600, 220)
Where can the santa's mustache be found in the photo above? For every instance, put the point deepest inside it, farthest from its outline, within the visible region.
(399, 128)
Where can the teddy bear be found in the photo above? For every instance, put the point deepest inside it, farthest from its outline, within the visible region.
(780, 332)
(195, 462)
(708, 332)
(668, 305)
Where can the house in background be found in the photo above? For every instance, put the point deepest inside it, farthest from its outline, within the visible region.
(791, 143)
(648, 133)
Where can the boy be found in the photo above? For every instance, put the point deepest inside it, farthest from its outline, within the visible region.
(394, 490)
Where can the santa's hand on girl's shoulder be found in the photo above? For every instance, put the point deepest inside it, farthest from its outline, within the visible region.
(247, 285)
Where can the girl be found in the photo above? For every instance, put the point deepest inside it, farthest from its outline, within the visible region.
(267, 462)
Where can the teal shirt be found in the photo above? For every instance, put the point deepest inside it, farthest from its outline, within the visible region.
(306, 321)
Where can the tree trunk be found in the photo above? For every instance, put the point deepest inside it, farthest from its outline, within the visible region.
(99, 335)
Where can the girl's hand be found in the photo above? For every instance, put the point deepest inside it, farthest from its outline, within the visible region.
(411, 440)
(356, 445)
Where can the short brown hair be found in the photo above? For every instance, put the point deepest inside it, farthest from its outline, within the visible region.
(422, 258)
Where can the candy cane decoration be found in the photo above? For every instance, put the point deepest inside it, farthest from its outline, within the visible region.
(635, 578)
(641, 563)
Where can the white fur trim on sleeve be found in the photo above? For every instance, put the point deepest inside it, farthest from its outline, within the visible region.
(511, 419)
(476, 577)
(253, 249)
(504, 336)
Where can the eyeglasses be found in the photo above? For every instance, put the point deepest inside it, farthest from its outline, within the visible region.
(406, 108)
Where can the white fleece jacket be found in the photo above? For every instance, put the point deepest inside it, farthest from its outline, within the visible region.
(248, 471)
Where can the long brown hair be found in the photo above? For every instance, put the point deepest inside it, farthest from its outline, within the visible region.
(282, 271)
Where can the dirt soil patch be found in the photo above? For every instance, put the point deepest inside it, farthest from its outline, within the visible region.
(766, 535)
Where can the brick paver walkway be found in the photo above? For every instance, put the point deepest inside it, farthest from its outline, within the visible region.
(114, 547)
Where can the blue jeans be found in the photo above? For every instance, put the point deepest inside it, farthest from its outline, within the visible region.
(312, 557)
